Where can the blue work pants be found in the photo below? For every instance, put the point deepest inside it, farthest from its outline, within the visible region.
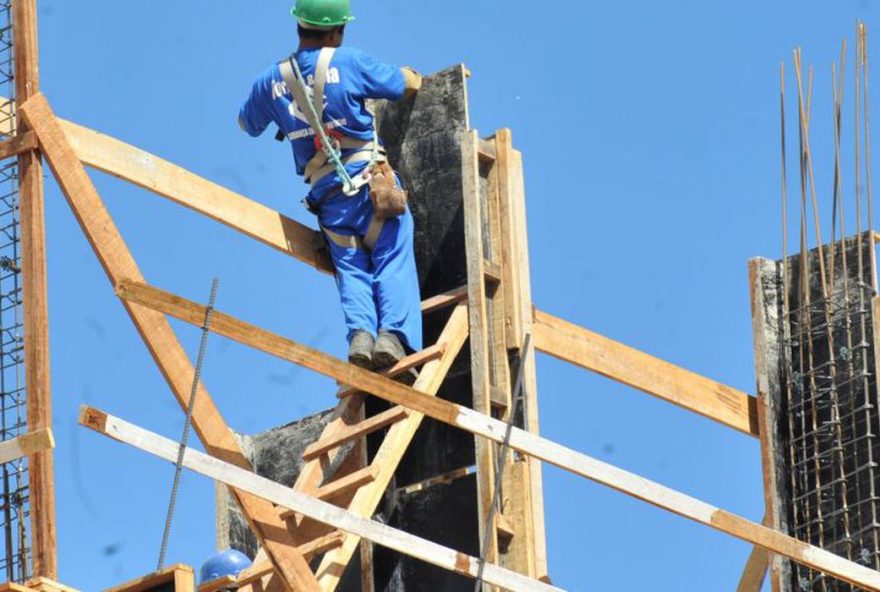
(378, 287)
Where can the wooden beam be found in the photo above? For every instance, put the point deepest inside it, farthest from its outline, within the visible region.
(164, 178)
(522, 483)
(765, 297)
(415, 360)
(387, 458)
(160, 339)
(41, 584)
(26, 445)
(445, 300)
(41, 471)
(755, 572)
(306, 505)
(480, 343)
(357, 430)
(654, 376)
(345, 484)
(170, 575)
(18, 145)
(394, 446)
(492, 429)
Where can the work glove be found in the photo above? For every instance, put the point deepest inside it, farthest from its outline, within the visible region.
(412, 81)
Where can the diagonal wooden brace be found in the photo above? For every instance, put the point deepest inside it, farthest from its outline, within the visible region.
(159, 338)
(521, 440)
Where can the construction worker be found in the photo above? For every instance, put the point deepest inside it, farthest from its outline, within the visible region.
(373, 253)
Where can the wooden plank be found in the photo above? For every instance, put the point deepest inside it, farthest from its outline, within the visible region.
(26, 445)
(492, 272)
(42, 584)
(510, 192)
(415, 360)
(387, 458)
(263, 568)
(160, 339)
(438, 480)
(345, 484)
(13, 587)
(755, 572)
(368, 580)
(622, 363)
(184, 581)
(486, 149)
(322, 544)
(765, 299)
(525, 480)
(362, 428)
(514, 504)
(304, 504)
(394, 446)
(493, 429)
(19, 144)
(153, 580)
(445, 300)
(164, 178)
(41, 472)
(220, 584)
(479, 336)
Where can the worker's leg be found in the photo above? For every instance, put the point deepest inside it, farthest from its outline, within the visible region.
(355, 283)
(396, 281)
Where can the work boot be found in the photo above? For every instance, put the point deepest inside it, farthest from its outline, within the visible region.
(387, 352)
(360, 350)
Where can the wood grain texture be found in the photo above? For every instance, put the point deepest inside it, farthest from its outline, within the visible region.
(348, 413)
(26, 445)
(765, 299)
(169, 575)
(336, 517)
(523, 484)
(160, 339)
(474, 214)
(717, 401)
(41, 471)
(493, 429)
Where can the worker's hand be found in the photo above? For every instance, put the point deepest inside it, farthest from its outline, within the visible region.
(412, 81)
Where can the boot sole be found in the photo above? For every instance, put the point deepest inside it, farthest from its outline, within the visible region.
(384, 360)
(360, 361)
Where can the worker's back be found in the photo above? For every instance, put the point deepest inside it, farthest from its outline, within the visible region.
(352, 77)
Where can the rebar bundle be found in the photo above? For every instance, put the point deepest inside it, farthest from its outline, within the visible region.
(830, 420)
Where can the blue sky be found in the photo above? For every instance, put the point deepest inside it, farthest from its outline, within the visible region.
(650, 137)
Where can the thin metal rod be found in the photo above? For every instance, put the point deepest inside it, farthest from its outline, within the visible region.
(184, 439)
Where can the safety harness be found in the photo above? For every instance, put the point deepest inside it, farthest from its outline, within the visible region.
(330, 144)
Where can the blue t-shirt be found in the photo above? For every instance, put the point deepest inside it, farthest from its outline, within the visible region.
(352, 77)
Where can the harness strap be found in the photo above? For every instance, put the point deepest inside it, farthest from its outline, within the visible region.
(368, 243)
(373, 232)
(342, 240)
(315, 175)
(321, 69)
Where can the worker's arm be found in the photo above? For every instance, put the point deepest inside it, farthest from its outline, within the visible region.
(412, 81)
(256, 114)
(379, 80)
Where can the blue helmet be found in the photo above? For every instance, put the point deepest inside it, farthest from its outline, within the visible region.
(227, 563)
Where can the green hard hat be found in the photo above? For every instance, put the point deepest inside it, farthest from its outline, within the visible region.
(323, 13)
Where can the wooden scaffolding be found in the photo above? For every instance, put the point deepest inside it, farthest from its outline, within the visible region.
(309, 532)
